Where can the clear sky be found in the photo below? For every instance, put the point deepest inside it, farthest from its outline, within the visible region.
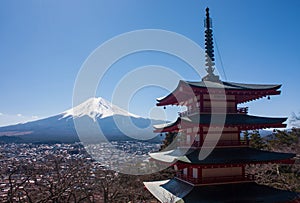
(43, 44)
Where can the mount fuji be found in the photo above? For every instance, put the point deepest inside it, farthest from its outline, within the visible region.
(84, 120)
(96, 108)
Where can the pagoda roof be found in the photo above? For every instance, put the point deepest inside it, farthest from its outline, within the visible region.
(241, 120)
(232, 155)
(181, 192)
(232, 85)
(253, 91)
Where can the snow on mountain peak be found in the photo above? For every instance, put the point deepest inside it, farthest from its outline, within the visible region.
(96, 108)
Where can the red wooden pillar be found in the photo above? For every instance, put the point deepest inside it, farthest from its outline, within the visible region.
(243, 170)
(239, 135)
(235, 105)
(200, 173)
(201, 136)
(201, 103)
(190, 172)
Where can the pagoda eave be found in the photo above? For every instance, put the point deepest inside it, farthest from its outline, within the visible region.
(221, 165)
(239, 155)
(242, 92)
(233, 164)
(181, 164)
(181, 191)
(177, 126)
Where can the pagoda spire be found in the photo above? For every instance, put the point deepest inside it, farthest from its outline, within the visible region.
(209, 51)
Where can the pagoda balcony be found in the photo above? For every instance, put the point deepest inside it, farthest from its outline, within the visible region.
(233, 110)
(221, 143)
(220, 179)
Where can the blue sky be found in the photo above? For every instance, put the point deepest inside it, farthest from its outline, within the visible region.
(44, 44)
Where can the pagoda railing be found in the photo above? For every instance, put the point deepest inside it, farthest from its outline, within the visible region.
(189, 112)
(220, 143)
(242, 110)
(220, 179)
(239, 110)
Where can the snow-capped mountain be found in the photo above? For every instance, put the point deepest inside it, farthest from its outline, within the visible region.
(96, 108)
(115, 123)
(294, 120)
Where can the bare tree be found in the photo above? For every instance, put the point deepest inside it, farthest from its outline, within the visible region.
(281, 176)
(17, 176)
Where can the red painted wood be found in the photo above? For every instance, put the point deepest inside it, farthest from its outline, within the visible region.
(177, 96)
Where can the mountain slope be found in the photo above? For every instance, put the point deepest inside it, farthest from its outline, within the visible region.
(115, 123)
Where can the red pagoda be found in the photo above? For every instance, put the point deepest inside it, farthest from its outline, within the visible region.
(212, 126)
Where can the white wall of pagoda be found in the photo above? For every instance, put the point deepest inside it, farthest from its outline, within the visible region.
(205, 103)
(230, 136)
(198, 174)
